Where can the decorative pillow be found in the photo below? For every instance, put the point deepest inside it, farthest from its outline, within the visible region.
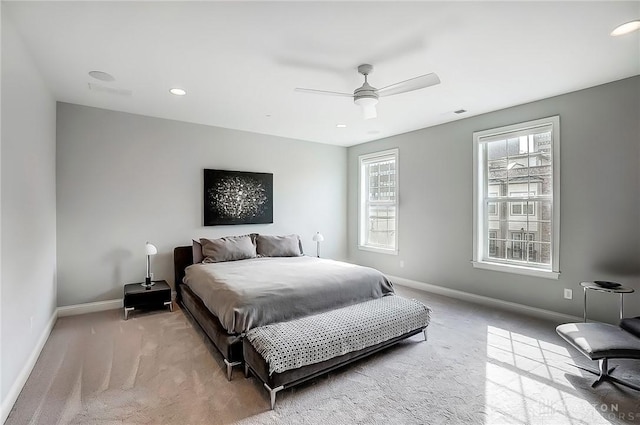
(279, 246)
(197, 252)
(229, 248)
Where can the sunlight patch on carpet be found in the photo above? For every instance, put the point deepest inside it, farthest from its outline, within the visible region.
(526, 382)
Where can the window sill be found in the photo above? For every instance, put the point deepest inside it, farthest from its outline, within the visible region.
(508, 268)
(378, 250)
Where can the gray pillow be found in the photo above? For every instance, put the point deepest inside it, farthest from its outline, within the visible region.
(278, 246)
(229, 248)
(197, 252)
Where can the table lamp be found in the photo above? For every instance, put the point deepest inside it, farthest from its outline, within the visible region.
(317, 238)
(149, 250)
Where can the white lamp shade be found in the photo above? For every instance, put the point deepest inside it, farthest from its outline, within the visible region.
(150, 249)
(318, 237)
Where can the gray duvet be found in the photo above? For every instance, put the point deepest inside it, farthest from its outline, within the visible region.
(249, 293)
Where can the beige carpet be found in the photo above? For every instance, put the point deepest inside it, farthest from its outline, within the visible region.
(480, 366)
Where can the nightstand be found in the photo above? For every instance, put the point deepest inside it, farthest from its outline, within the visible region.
(137, 296)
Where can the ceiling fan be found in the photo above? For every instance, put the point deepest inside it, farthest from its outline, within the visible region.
(367, 96)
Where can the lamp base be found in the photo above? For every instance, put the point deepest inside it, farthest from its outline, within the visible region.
(148, 283)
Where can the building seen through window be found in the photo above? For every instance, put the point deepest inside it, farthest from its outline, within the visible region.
(519, 204)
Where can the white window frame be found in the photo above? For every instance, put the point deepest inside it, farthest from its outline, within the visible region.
(480, 213)
(363, 201)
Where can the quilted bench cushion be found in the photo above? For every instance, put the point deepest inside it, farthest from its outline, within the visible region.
(313, 339)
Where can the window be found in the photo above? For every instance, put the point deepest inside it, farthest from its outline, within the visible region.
(516, 198)
(378, 226)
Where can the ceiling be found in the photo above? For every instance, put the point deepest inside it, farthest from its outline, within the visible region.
(240, 61)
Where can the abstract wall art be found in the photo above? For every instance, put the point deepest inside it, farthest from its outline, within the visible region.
(237, 197)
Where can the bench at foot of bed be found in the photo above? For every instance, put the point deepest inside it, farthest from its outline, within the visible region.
(285, 354)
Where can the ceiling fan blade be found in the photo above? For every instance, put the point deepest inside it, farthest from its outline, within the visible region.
(411, 84)
(328, 93)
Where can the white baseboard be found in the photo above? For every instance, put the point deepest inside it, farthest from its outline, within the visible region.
(480, 299)
(14, 392)
(73, 310)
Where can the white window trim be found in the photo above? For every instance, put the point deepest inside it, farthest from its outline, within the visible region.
(478, 190)
(510, 268)
(362, 201)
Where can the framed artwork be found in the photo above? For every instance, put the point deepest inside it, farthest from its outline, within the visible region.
(237, 197)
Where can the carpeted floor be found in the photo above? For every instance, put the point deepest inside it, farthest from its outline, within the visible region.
(480, 366)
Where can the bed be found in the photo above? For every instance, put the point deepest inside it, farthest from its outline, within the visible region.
(228, 298)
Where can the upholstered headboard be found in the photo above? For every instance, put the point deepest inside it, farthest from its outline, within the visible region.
(182, 258)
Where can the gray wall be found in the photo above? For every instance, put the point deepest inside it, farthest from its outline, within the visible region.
(124, 179)
(28, 212)
(600, 202)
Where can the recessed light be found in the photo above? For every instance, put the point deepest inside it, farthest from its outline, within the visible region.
(626, 28)
(102, 76)
(341, 125)
(177, 91)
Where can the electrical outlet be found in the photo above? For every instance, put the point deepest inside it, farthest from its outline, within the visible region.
(401, 263)
(568, 294)
(151, 276)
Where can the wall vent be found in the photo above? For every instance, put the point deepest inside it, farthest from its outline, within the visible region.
(103, 89)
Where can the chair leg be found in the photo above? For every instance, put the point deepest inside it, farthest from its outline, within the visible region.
(624, 383)
(603, 365)
(604, 374)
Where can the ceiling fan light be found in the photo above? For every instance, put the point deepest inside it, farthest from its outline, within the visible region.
(369, 112)
(368, 105)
